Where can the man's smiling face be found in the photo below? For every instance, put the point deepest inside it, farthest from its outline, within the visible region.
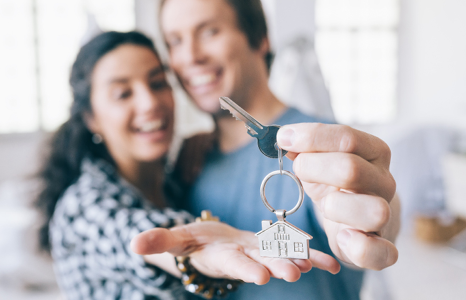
(209, 53)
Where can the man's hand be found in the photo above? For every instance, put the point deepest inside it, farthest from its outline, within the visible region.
(346, 174)
(219, 250)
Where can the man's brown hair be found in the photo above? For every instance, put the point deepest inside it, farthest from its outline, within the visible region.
(251, 21)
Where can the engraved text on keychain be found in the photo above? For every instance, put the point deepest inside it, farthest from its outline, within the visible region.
(282, 239)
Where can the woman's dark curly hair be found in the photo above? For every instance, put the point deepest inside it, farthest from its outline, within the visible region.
(73, 140)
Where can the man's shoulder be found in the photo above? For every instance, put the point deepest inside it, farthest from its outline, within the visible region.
(293, 115)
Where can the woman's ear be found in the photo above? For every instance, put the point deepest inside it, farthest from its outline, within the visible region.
(91, 123)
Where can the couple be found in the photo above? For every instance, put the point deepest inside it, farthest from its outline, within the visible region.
(105, 184)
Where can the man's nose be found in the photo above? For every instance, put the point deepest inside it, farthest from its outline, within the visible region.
(193, 52)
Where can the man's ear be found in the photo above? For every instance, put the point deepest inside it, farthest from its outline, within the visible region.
(264, 47)
(90, 122)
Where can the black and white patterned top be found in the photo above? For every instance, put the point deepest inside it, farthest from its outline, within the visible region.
(90, 232)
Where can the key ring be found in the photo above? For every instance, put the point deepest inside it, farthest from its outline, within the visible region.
(280, 158)
(298, 182)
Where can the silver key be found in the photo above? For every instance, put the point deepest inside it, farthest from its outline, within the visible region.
(266, 135)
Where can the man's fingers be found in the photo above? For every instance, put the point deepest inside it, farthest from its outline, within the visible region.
(345, 171)
(367, 250)
(363, 212)
(291, 155)
(317, 137)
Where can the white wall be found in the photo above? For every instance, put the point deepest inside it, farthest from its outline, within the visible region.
(432, 70)
(432, 82)
(432, 60)
(289, 19)
(19, 154)
(431, 118)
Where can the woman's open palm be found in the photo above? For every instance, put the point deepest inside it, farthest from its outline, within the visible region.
(219, 250)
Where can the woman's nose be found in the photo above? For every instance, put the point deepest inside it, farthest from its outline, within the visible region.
(146, 100)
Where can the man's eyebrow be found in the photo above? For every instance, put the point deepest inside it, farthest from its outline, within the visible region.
(198, 26)
(206, 23)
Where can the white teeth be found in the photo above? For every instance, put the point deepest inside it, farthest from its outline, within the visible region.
(151, 126)
(202, 79)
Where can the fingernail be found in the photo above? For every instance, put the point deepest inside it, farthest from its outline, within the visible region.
(285, 137)
(343, 238)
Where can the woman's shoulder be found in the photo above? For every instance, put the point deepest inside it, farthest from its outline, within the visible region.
(99, 184)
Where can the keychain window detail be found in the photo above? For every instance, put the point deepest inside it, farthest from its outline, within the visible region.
(298, 247)
(266, 245)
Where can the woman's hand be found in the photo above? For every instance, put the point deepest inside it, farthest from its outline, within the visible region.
(219, 250)
(346, 173)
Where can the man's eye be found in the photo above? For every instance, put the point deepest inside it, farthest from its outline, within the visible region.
(173, 42)
(208, 32)
(159, 85)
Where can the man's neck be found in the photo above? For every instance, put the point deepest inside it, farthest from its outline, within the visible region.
(265, 107)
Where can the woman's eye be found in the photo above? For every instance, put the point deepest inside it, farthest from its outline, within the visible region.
(122, 95)
(159, 85)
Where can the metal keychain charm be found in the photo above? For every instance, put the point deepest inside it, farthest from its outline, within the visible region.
(282, 239)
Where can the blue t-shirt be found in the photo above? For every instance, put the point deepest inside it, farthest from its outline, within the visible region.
(229, 187)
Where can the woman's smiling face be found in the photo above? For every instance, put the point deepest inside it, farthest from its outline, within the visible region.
(132, 105)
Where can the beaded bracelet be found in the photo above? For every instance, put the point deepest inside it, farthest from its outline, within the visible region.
(199, 284)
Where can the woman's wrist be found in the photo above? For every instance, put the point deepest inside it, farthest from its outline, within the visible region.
(199, 284)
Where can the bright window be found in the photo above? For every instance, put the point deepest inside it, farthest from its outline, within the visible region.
(356, 42)
(39, 40)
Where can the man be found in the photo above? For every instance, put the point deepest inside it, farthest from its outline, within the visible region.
(220, 48)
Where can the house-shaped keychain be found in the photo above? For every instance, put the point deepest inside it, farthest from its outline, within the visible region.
(284, 240)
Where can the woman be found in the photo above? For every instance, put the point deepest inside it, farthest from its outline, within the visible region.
(104, 184)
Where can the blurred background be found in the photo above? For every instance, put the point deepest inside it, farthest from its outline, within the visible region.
(393, 68)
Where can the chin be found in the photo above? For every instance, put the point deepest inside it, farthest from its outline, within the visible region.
(210, 105)
(153, 155)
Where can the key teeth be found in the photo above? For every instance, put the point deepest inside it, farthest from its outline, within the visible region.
(251, 131)
(237, 119)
